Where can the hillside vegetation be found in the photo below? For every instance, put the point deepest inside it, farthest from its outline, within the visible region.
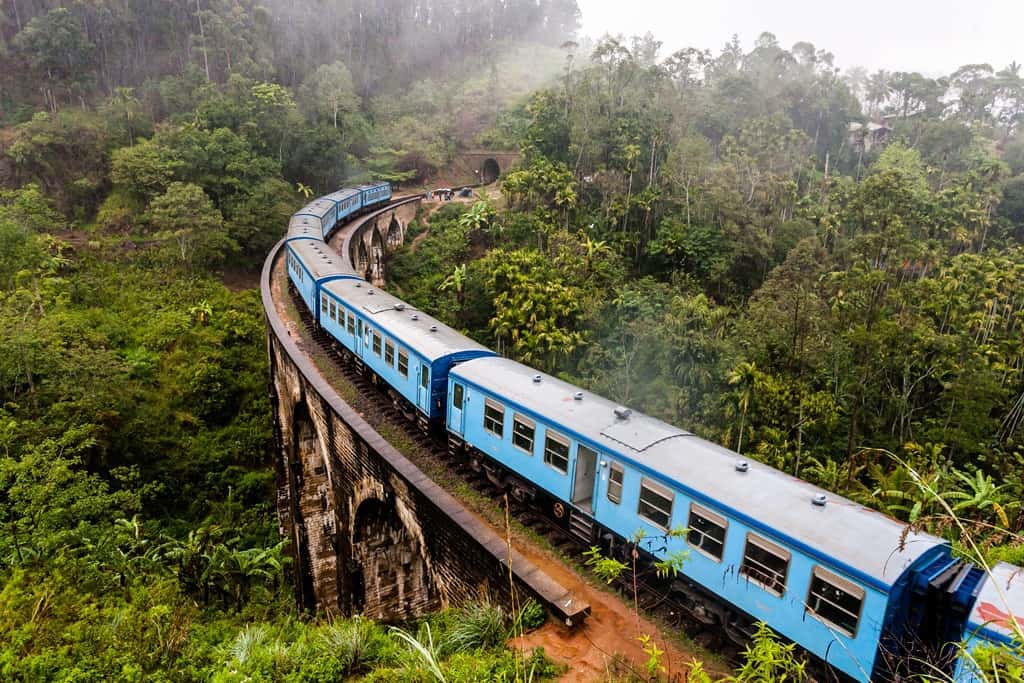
(701, 236)
(821, 271)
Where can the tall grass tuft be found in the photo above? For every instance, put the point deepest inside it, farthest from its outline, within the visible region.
(246, 644)
(354, 642)
(481, 626)
(426, 652)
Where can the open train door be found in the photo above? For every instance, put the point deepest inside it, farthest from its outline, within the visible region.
(586, 468)
(455, 414)
(423, 389)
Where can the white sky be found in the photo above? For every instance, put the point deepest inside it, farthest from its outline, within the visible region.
(930, 36)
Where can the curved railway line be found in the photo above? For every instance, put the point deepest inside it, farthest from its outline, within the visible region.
(610, 631)
(867, 594)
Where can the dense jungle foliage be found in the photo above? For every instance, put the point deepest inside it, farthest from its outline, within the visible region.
(822, 271)
(704, 237)
(150, 153)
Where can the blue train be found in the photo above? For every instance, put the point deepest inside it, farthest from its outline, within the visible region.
(866, 594)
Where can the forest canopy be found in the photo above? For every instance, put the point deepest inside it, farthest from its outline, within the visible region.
(818, 268)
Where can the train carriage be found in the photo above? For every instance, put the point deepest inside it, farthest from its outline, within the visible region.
(407, 348)
(302, 226)
(322, 210)
(374, 193)
(348, 200)
(821, 570)
(861, 591)
(996, 619)
(310, 264)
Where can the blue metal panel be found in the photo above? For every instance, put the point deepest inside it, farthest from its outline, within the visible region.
(999, 601)
(375, 193)
(787, 540)
(854, 655)
(455, 417)
(966, 669)
(357, 343)
(530, 466)
(349, 206)
(302, 278)
(786, 614)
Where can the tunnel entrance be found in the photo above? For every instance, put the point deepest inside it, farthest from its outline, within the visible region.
(390, 580)
(490, 171)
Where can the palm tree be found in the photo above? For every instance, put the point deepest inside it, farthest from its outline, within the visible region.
(745, 377)
(456, 282)
(980, 493)
(878, 89)
(124, 99)
(478, 218)
(594, 248)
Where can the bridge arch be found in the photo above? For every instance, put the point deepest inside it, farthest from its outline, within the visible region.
(395, 233)
(362, 260)
(376, 274)
(305, 470)
(391, 575)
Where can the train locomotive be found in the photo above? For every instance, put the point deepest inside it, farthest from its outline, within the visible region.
(865, 594)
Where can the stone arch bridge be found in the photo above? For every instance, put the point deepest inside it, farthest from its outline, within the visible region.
(370, 533)
(365, 248)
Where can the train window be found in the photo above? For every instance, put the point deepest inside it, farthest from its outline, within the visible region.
(615, 474)
(494, 418)
(389, 352)
(457, 392)
(334, 311)
(323, 303)
(766, 564)
(655, 503)
(403, 363)
(350, 323)
(377, 339)
(424, 376)
(835, 600)
(556, 451)
(523, 430)
(706, 531)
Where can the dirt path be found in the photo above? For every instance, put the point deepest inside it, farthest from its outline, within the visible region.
(612, 629)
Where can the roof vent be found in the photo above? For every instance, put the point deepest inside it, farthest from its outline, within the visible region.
(820, 499)
(369, 292)
(399, 306)
(578, 396)
(623, 413)
(433, 328)
(359, 284)
(414, 316)
(742, 466)
(537, 379)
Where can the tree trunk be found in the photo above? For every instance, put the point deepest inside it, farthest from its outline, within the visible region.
(202, 36)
